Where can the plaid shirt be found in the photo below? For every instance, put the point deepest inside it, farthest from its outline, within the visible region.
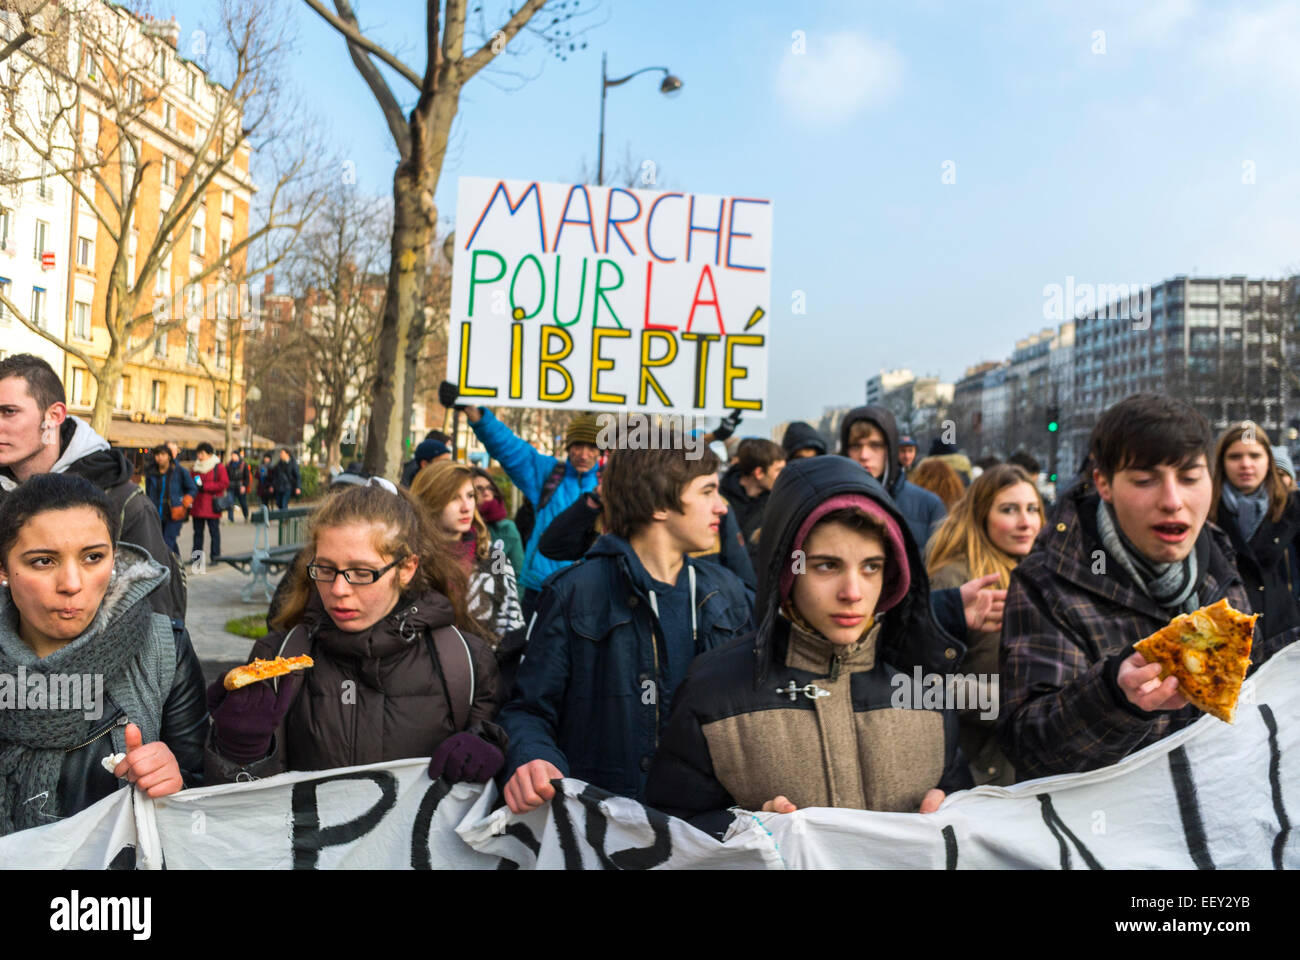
(1072, 614)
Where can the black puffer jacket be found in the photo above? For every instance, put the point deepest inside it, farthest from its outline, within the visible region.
(748, 510)
(372, 696)
(1264, 564)
(733, 706)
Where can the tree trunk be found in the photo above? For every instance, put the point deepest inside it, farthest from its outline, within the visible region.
(106, 379)
(412, 229)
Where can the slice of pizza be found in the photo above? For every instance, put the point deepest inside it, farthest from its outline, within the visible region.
(1208, 650)
(265, 670)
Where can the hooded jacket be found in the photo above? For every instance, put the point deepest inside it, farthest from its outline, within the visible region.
(598, 676)
(181, 724)
(748, 510)
(1265, 565)
(168, 490)
(744, 726)
(923, 510)
(528, 470)
(84, 453)
(400, 706)
(1069, 622)
(799, 436)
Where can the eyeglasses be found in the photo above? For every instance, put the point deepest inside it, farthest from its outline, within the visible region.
(356, 575)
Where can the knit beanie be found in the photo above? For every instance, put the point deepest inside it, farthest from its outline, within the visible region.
(1282, 458)
(898, 577)
(583, 429)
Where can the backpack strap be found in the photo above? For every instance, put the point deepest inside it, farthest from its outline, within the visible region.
(455, 661)
(552, 481)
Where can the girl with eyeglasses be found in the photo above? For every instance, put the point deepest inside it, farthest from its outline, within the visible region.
(378, 602)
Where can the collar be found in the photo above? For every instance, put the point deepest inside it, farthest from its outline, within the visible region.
(808, 650)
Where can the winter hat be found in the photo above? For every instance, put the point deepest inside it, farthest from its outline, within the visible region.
(430, 450)
(906, 441)
(802, 436)
(898, 577)
(1282, 458)
(938, 448)
(583, 429)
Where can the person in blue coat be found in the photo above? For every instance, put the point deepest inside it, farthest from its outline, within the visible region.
(615, 632)
(550, 483)
(171, 490)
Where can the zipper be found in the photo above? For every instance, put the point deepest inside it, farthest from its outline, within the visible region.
(119, 722)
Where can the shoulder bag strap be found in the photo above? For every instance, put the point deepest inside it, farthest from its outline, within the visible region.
(451, 653)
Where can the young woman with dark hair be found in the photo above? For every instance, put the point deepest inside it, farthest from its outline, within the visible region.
(74, 610)
(1261, 517)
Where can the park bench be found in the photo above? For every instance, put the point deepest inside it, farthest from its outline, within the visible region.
(291, 530)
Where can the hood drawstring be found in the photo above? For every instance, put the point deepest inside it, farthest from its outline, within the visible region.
(654, 602)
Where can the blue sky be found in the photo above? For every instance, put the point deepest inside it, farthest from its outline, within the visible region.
(1119, 166)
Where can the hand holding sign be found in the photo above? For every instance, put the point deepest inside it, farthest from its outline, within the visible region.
(530, 786)
(150, 766)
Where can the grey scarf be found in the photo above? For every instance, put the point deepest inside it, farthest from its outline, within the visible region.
(33, 742)
(1171, 585)
(1248, 508)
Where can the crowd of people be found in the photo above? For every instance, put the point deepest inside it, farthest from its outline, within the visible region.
(692, 633)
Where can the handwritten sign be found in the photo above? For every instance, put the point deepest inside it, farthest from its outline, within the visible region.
(604, 298)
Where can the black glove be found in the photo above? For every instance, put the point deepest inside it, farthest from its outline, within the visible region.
(447, 394)
(728, 426)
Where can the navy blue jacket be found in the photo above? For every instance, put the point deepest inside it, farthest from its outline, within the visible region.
(166, 490)
(593, 694)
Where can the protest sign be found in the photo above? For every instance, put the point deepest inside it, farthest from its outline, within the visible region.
(1213, 795)
(605, 298)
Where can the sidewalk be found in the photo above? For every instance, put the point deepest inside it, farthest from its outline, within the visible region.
(214, 598)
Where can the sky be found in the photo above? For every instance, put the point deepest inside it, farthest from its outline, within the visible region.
(932, 165)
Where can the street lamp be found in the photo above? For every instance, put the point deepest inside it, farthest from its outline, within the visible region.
(668, 87)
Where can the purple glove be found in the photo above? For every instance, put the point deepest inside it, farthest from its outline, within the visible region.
(244, 719)
(465, 757)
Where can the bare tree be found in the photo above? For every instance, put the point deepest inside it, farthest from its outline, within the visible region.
(98, 90)
(339, 278)
(421, 138)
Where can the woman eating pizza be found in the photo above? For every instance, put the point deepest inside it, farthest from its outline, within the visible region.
(119, 697)
(378, 604)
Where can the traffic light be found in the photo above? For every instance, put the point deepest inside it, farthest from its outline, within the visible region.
(1053, 419)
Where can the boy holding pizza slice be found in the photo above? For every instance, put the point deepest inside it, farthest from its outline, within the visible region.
(1126, 554)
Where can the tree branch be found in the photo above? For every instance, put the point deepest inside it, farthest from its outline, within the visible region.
(484, 55)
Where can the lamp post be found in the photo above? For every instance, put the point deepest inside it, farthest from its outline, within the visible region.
(669, 86)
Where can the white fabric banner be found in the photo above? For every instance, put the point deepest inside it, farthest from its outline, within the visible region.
(1213, 795)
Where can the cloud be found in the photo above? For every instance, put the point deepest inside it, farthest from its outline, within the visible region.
(1156, 23)
(837, 75)
(1258, 46)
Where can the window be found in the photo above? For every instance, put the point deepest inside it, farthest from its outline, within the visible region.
(191, 348)
(43, 188)
(227, 202)
(39, 247)
(132, 90)
(160, 64)
(169, 172)
(122, 399)
(191, 86)
(128, 159)
(160, 349)
(47, 105)
(92, 71)
(5, 239)
(158, 397)
(169, 116)
(81, 321)
(218, 411)
(37, 314)
(191, 400)
(83, 251)
(196, 241)
(221, 352)
(225, 246)
(80, 389)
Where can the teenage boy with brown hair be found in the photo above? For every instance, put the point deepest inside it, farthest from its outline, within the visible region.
(615, 632)
(1123, 556)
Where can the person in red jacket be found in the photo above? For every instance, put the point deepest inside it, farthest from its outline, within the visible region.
(212, 480)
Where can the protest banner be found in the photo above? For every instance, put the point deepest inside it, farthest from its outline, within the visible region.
(605, 298)
(1213, 795)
